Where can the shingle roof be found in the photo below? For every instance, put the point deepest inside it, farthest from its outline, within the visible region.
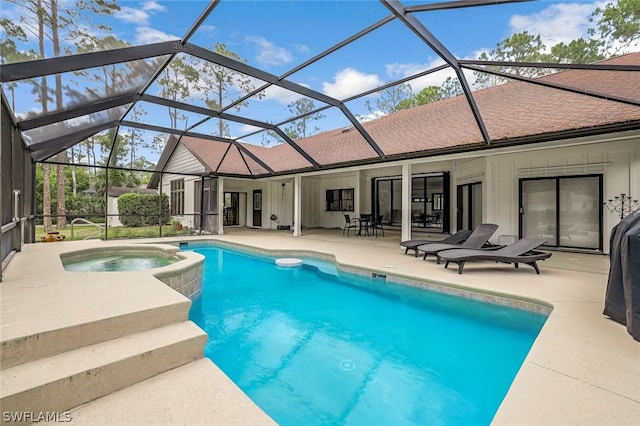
(511, 111)
(116, 191)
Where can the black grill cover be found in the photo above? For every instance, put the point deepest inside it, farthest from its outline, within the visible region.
(622, 300)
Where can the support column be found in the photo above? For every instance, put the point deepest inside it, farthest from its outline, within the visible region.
(297, 200)
(406, 202)
(220, 193)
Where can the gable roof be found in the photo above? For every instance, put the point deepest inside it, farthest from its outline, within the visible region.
(514, 112)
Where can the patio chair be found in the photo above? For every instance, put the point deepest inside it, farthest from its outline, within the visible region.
(377, 224)
(456, 238)
(477, 239)
(522, 251)
(349, 224)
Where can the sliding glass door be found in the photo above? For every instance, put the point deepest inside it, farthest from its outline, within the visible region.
(389, 201)
(429, 201)
(566, 211)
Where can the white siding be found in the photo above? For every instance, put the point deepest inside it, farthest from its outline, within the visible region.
(618, 162)
(312, 202)
(184, 161)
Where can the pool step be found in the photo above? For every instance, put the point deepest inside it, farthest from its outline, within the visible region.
(172, 308)
(61, 382)
(198, 393)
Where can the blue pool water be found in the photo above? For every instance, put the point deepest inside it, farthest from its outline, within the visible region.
(312, 348)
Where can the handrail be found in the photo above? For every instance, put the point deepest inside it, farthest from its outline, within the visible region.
(7, 227)
(88, 222)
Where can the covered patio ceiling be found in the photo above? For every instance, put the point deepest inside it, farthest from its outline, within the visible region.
(133, 79)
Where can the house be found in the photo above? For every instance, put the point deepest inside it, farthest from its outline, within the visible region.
(555, 156)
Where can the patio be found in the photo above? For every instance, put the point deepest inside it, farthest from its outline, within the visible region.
(582, 369)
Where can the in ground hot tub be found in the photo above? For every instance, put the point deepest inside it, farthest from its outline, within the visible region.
(182, 271)
(120, 262)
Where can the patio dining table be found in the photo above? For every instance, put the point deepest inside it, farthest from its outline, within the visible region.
(363, 224)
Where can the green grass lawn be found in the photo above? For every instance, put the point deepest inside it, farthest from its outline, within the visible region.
(82, 232)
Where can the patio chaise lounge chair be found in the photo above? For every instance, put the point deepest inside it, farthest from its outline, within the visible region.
(478, 238)
(456, 238)
(522, 251)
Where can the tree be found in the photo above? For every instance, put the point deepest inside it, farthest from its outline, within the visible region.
(178, 80)
(519, 47)
(58, 25)
(220, 83)
(300, 128)
(451, 88)
(9, 51)
(390, 100)
(578, 51)
(618, 25)
(426, 96)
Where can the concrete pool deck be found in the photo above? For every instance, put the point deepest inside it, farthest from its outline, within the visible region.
(582, 369)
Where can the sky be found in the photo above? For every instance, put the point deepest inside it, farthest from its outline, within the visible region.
(277, 36)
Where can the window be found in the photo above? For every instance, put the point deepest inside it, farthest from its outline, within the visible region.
(177, 197)
(340, 200)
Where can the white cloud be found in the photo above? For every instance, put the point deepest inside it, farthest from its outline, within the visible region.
(302, 48)
(247, 128)
(147, 35)
(280, 95)
(348, 82)
(134, 16)
(270, 54)
(209, 30)
(397, 71)
(152, 5)
(560, 22)
(371, 116)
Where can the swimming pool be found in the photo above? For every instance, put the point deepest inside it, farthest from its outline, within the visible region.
(313, 346)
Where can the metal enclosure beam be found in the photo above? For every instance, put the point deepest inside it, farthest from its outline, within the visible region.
(43, 67)
(68, 114)
(458, 4)
(230, 117)
(545, 83)
(243, 68)
(66, 141)
(425, 35)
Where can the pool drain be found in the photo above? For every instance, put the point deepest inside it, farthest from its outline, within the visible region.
(347, 365)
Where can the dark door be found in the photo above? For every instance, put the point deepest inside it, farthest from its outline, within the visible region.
(231, 208)
(257, 207)
(469, 205)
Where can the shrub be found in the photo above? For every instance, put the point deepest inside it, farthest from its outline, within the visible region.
(142, 209)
